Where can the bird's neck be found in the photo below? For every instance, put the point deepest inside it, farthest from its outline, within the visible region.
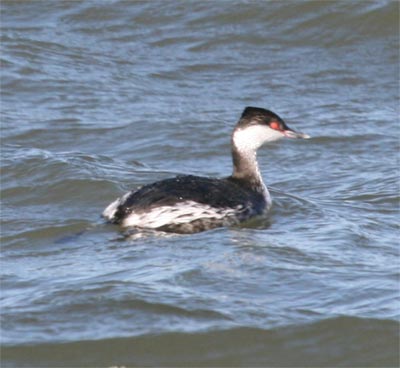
(245, 168)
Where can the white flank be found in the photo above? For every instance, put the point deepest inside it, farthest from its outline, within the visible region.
(110, 210)
(180, 213)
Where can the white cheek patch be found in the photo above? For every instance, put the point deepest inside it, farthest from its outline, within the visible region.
(180, 213)
(253, 137)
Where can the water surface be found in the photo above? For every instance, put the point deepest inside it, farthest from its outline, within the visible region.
(101, 97)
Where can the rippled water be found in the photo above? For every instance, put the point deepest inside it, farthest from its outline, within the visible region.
(99, 97)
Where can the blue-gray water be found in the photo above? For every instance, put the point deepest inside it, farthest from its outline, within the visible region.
(99, 97)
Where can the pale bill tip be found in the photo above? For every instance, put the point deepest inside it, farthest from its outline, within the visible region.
(293, 134)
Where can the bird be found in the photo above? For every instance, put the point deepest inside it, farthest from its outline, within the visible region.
(188, 204)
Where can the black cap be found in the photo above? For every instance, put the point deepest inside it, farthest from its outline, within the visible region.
(257, 115)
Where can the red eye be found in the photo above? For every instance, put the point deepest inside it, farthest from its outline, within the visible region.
(275, 125)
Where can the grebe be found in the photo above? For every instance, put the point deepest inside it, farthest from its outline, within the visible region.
(189, 204)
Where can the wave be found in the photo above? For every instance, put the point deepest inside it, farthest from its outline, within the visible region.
(341, 341)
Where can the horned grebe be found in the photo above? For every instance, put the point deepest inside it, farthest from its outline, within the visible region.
(189, 204)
